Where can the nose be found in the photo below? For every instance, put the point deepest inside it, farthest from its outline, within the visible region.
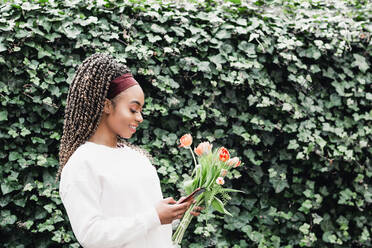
(139, 117)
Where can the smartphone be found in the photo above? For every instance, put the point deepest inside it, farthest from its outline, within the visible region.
(194, 194)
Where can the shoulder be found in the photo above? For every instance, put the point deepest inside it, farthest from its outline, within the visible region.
(79, 164)
(79, 169)
(81, 154)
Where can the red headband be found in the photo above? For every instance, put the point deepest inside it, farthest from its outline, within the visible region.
(120, 84)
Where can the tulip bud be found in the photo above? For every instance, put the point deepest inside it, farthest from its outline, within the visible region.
(234, 162)
(223, 154)
(203, 148)
(223, 172)
(186, 140)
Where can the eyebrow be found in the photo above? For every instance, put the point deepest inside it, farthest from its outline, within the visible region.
(137, 102)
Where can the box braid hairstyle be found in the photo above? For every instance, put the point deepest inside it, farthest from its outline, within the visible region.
(85, 102)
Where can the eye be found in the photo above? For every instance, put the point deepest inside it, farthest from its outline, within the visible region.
(134, 111)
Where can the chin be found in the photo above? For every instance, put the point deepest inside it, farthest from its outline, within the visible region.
(127, 136)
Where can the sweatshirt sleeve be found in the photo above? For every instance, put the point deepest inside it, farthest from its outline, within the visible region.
(80, 192)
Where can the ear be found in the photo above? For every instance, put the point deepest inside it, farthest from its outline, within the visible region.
(107, 108)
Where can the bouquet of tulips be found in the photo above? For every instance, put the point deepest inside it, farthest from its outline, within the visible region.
(210, 169)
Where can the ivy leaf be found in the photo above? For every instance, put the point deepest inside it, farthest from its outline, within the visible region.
(306, 206)
(4, 115)
(360, 62)
(178, 30)
(2, 47)
(153, 38)
(223, 34)
(91, 19)
(316, 218)
(72, 32)
(204, 66)
(329, 237)
(287, 107)
(158, 29)
(217, 59)
(7, 218)
(304, 228)
(7, 187)
(278, 178)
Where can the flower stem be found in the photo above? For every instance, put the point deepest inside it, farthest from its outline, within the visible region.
(193, 156)
(178, 235)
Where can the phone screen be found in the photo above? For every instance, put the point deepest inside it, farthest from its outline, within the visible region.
(194, 194)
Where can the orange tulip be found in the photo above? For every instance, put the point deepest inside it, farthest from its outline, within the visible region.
(186, 140)
(220, 181)
(235, 162)
(223, 154)
(203, 148)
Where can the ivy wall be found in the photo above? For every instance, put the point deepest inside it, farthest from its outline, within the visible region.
(287, 86)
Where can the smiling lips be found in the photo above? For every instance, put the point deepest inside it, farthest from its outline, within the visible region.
(133, 128)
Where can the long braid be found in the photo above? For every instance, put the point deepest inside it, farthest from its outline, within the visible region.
(85, 102)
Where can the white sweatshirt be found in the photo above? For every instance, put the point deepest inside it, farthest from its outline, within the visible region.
(110, 196)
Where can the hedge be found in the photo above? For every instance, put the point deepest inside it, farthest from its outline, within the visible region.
(284, 84)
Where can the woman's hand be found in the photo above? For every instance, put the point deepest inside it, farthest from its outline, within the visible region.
(169, 210)
(196, 210)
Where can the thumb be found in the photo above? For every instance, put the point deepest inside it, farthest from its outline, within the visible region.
(169, 200)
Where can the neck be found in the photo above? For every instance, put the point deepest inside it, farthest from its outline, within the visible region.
(104, 136)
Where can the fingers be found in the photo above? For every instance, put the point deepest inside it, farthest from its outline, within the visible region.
(169, 200)
(191, 200)
(181, 199)
(196, 211)
(169, 211)
(179, 216)
(177, 210)
(181, 207)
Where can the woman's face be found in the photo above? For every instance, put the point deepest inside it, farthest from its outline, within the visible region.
(126, 112)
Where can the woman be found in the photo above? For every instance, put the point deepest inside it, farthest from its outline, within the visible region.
(109, 188)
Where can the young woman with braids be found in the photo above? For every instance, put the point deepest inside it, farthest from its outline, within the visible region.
(108, 186)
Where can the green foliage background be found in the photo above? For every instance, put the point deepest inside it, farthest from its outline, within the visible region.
(286, 85)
